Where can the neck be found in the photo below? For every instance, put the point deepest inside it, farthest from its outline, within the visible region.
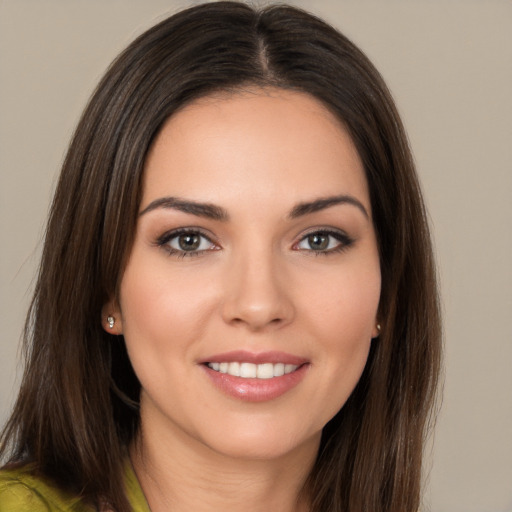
(183, 476)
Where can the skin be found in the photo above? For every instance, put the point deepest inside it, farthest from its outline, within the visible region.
(255, 284)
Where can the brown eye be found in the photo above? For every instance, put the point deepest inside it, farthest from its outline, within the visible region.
(186, 243)
(324, 242)
(189, 241)
(318, 241)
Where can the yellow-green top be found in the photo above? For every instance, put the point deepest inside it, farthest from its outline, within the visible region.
(21, 491)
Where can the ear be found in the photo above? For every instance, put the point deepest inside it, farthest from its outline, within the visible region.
(111, 318)
(376, 329)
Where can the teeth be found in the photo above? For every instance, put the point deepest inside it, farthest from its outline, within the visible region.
(248, 370)
(253, 371)
(234, 369)
(265, 371)
(289, 368)
(279, 369)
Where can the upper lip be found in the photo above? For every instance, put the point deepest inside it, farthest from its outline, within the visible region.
(243, 356)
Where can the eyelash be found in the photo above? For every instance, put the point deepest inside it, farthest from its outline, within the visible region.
(344, 242)
(163, 241)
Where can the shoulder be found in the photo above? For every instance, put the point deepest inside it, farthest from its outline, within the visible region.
(21, 491)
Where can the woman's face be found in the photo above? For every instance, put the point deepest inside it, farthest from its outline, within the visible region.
(250, 296)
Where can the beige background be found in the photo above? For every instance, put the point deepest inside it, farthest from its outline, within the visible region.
(449, 65)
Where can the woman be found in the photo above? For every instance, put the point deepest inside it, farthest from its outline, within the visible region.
(236, 305)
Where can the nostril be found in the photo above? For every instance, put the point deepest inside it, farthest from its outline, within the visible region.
(257, 306)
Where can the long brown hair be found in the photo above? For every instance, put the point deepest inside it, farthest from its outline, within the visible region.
(76, 411)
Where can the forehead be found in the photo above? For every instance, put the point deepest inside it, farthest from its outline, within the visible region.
(277, 143)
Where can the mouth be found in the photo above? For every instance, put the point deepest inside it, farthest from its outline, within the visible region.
(255, 377)
(247, 370)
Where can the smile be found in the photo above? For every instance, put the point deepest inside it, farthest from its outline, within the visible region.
(255, 377)
(253, 371)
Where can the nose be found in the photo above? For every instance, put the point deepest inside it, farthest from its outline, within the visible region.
(257, 294)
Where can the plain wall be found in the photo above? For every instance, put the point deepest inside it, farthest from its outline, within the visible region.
(449, 66)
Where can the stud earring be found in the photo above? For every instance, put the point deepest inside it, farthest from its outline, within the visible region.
(111, 321)
(378, 328)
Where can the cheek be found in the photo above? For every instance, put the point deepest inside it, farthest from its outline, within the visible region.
(342, 318)
(153, 294)
(345, 307)
(161, 313)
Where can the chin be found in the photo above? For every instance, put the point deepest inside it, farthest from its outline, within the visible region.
(262, 442)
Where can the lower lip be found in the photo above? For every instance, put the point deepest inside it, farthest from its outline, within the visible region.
(256, 390)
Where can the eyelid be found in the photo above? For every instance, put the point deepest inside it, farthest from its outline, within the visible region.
(163, 241)
(345, 241)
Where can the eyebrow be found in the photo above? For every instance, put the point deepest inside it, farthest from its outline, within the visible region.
(207, 210)
(214, 212)
(326, 202)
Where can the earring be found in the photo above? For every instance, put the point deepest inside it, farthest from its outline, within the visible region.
(111, 321)
(378, 328)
